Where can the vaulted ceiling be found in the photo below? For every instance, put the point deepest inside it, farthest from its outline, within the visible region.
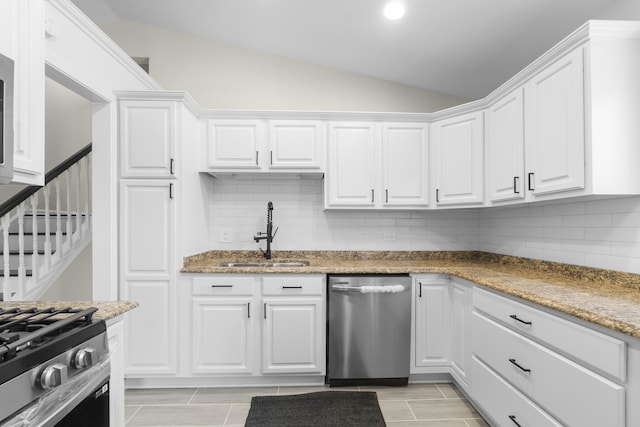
(465, 48)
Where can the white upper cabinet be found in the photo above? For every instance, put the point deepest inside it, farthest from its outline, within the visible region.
(234, 144)
(505, 148)
(377, 166)
(458, 159)
(295, 144)
(351, 179)
(405, 156)
(239, 145)
(147, 138)
(554, 122)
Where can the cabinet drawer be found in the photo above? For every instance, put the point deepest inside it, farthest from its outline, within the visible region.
(610, 357)
(506, 405)
(223, 285)
(573, 394)
(293, 285)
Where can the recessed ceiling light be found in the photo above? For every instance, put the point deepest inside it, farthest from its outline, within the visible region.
(394, 10)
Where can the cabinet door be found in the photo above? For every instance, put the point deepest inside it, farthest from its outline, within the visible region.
(222, 335)
(147, 139)
(146, 254)
(150, 332)
(405, 164)
(554, 123)
(460, 309)
(458, 147)
(293, 335)
(146, 228)
(351, 179)
(234, 144)
(295, 144)
(505, 148)
(432, 322)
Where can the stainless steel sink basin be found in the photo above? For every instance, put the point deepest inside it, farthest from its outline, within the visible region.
(269, 264)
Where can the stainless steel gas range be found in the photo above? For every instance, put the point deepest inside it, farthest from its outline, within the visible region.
(54, 368)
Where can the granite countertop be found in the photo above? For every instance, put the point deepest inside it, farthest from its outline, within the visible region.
(604, 297)
(106, 309)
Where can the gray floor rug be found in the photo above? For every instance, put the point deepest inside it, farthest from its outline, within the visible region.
(326, 408)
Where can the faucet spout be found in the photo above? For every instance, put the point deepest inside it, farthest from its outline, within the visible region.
(269, 235)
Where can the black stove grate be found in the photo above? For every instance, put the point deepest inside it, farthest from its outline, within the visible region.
(25, 329)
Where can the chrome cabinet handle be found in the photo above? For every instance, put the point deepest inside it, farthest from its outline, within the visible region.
(172, 170)
(372, 196)
(420, 293)
(257, 157)
(522, 368)
(515, 184)
(291, 287)
(515, 317)
(222, 286)
(437, 195)
(171, 195)
(248, 310)
(386, 196)
(530, 180)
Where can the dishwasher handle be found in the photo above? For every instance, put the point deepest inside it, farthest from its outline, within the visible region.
(365, 289)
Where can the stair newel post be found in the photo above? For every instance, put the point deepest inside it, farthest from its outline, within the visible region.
(67, 240)
(22, 271)
(35, 266)
(78, 176)
(6, 283)
(46, 191)
(56, 184)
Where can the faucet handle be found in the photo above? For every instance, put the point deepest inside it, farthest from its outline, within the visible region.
(274, 233)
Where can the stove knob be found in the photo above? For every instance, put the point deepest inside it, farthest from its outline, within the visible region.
(54, 375)
(85, 357)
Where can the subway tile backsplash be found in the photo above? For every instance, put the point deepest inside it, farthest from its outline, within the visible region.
(601, 233)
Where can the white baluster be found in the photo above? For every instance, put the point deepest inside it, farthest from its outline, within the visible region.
(35, 257)
(78, 176)
(6, 283)
(87, 199)
(46, 191)
(56, 184)
(22, 271)
(67, 240)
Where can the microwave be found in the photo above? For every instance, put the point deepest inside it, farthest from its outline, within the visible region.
(6, 118)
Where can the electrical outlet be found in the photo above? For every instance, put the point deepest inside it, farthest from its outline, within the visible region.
(226, 236)
(387, 237)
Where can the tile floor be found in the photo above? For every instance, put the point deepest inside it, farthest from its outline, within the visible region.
(417, 405)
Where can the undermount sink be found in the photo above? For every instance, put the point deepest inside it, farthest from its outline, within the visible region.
(270, 264)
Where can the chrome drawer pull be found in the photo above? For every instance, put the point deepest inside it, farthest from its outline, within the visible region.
(515, 317)
(222, 286)
(513, 418)
(291, 287)
(513, 361)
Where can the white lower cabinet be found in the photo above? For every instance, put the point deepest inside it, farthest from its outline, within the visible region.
(258, 325)
(507, 406)
(432, 320)
(460, 309)
(565, 389)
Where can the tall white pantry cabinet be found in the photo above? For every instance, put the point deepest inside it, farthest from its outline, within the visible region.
(149, 130)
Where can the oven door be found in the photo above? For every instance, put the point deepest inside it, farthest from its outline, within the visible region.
(82, 401)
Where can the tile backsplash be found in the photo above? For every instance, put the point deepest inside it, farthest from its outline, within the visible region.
(599, 233)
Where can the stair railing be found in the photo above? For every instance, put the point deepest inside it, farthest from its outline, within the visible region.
(70, 183)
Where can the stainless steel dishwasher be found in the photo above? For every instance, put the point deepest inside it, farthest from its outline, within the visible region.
(369, 330)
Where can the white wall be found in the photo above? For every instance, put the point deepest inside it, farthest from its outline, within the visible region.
(222, 76)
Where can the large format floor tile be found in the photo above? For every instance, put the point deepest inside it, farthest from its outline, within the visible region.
(416, 405)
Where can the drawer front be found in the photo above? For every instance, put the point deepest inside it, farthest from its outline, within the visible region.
(223, 285)
(506, 405)
(573, 394)
(577, 342)
(293, 285)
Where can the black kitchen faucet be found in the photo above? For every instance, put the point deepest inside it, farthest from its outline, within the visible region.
(268, 236)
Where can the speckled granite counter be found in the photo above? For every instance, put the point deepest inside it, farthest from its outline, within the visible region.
(604, 297)
(106, 309)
